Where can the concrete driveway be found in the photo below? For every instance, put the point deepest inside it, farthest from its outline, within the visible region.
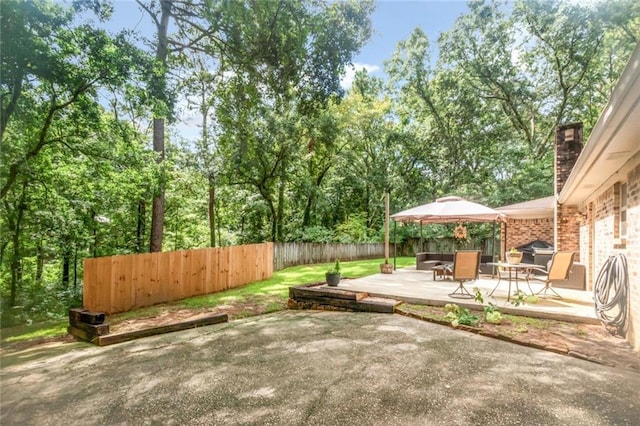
(320, 368)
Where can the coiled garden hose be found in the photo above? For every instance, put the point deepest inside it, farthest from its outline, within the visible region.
(610, 292)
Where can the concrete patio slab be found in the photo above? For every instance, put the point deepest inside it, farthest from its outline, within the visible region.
(419, 287)
(317, 368)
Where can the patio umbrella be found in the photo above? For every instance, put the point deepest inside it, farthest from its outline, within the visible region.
(451, 209)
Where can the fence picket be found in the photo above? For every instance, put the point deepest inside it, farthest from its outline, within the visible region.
(103, 285)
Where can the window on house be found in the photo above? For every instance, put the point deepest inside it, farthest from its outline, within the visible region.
(623, 210)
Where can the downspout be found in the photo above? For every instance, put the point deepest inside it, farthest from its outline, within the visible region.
(555, 223)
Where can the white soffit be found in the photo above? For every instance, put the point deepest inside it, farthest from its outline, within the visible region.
(614, 141)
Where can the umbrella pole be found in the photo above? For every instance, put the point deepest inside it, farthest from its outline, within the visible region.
(386, 227)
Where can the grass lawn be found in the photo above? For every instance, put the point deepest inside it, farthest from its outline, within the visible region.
(252, 299)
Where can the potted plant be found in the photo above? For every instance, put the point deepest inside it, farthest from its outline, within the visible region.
(514, 256)
(386, 267)
(333, 275)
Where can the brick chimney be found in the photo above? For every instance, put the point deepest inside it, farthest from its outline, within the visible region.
(568, 147)
(567, 150)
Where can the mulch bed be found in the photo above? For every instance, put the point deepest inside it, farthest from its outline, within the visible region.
(586, 341)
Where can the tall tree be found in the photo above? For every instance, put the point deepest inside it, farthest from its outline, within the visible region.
(202, 91)
(49, 104)
(294, 53)
(367, 121)
(161, 15)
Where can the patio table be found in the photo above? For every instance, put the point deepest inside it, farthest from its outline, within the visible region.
(444, 270)
(514, 267)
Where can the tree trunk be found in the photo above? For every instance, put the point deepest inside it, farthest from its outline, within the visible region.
(140, 226)
(157, 214)
(39, 263)
(94, 225)
(75, 270)
(16, 271)
(3, 247)
(66, 261)
(272, 210)
(280, 216)
(15, 224)
(16, 266)
(212, 210)
(306, 217)
(311, 198)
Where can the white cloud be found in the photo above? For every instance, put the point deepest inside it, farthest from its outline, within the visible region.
(350, 73)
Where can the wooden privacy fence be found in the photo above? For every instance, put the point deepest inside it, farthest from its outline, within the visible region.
(411, 246)
(121, 283)
(291, 254)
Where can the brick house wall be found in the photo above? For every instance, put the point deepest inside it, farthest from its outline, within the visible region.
(568, 237)
(603, 231)
(523, 231)
(585, 221)
(632, 252)
(605, 243)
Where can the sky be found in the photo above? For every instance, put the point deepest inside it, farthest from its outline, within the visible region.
(393, 21)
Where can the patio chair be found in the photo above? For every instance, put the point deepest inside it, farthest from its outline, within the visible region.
(558, 270)
(465, 268)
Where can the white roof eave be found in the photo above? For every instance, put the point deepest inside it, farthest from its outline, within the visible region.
(613, 142)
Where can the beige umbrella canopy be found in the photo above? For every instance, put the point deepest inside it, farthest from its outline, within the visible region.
(450, 209)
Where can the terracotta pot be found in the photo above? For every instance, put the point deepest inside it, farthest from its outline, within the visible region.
(386, 268)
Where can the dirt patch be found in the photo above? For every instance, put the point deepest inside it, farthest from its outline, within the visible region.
(585, 341)
(169, 315)
(163, 315)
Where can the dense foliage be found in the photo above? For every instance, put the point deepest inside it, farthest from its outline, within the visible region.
(283, 153)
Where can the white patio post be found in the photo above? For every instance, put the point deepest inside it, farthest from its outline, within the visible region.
(386, 227)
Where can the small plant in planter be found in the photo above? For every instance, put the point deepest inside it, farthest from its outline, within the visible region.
(333, 275)
(514, 256)
(386, 267)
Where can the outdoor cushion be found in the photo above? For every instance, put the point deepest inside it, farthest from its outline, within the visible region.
(427, 265)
